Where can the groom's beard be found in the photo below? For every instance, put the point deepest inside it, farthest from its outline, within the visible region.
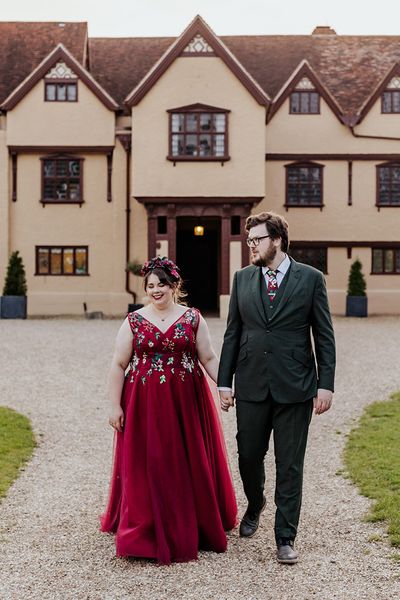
(263, 260)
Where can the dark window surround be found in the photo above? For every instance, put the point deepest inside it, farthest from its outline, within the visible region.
(383, 260)
(198, 110)
(305, 93)
(302, 165)
(58, 83)
(295, 251)
(392, 98)
(66, 179)
(62, 248)
(379, 202)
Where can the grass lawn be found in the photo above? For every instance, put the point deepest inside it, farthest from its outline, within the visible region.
(16, 445)
(372, 457)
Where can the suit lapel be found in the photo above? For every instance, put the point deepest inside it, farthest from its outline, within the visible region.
(256, 292)
(294, 277)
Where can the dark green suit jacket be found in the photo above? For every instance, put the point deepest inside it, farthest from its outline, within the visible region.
(270, 349)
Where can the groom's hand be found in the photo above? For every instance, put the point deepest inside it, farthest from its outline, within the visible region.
(226, 400)
(323, 401)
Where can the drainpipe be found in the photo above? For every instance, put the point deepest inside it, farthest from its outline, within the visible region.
(125, 140)
(372, 137)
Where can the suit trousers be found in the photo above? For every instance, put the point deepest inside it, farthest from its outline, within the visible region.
(289, 424)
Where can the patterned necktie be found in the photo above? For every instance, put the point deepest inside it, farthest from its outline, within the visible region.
(272, 286)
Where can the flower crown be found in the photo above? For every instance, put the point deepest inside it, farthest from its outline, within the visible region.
(163, 263)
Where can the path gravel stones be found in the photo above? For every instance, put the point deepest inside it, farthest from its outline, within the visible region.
(55, 371)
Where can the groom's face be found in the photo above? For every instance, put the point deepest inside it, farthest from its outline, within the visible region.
(263, 254)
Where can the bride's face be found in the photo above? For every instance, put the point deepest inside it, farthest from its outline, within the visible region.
(160, 294)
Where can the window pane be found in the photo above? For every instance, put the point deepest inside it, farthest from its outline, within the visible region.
(316, 257)
(43, 261)
(71, 92)
(388, 261)
(80, 261)
(205, 145)
(177, 145)
(304, 103)
(74, 190)
(191, 145)
(219, 122)
(205, 122)
(397, 261)
(386, 102)
(377, 256)
(61, 92)
(191, 122)
(49, 168)
(61, 190)
(219, 145)
(396, 102)
(74, 167)
(50, 92)
(314, 103)
(48, 190)
(62, 168)
(68, 261)
(295, 103)
(55, 261)
(177, 123)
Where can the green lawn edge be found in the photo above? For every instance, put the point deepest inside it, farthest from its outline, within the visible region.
(372, 459)
(17, 442)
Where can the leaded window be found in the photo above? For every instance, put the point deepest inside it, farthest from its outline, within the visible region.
(390, 99)
(304, 102)
(386, 261)
(198, 135)
(62, 180)
(388, 185)
(304, 185)
(315, 256)
(61, 92)
(61, 260)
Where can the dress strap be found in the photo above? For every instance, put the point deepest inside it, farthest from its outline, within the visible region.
(196, 319)
(133, 322)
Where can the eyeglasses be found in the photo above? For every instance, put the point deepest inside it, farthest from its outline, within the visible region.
(255, 240)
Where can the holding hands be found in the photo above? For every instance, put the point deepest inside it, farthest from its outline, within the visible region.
(226, 399)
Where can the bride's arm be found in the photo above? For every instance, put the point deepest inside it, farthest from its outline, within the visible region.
(116, 376)
(205, 352)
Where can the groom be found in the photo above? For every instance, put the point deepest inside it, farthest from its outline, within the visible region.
(276, 303)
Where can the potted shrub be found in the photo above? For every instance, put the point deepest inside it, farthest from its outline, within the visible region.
(134, 267)
(13, 301)
(356, 301)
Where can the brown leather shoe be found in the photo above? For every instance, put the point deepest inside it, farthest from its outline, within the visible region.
(249, 523)
(286, 553)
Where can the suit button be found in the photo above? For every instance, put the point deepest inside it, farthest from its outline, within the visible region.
(268, 331)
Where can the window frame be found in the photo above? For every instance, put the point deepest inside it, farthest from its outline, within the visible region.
(198, 109)
(55, 178)
(305, 246)
(391, 92)
(62, 248)
(378, 201)
(57, 83)
(308, 92)
(384, 249)
(302, 165)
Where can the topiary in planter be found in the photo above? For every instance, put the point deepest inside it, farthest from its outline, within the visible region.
(356, 301)
(134, 267)
(13, 301)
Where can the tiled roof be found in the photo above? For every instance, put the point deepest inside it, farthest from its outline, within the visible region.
(349, 66)
(24, 45)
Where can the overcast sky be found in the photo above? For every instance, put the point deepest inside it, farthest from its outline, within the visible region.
(225, 17)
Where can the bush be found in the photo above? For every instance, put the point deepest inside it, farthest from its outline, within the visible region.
(356, 285)
(15, 283)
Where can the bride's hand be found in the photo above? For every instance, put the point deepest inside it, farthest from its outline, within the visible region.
(116, 418)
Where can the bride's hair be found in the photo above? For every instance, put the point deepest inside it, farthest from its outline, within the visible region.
(174, 282)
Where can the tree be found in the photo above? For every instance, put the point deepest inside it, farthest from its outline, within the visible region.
(15, 282)
(356, 284)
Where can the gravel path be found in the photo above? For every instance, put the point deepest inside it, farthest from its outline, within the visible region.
(54, 371)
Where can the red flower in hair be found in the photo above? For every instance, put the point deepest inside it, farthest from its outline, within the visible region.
(163, 263)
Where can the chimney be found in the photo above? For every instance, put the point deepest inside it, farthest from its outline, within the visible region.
(323, 30)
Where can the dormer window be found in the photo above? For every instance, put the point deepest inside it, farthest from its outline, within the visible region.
(198, 132)
(61, 84)
(391, 97)
(305, 99)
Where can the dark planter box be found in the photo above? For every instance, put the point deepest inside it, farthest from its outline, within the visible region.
(13, 307)
(132, 307)
(356, 306)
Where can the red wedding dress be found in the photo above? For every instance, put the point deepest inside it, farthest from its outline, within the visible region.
(171, 490)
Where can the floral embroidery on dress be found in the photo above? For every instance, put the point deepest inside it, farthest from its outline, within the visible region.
(156, 354)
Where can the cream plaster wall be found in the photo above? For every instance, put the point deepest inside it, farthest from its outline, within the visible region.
(324, 133)
(188, 81)
(35, 122)
(378, 123)
(98, 224)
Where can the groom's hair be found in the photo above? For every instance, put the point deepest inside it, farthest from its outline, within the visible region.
(276, 226)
